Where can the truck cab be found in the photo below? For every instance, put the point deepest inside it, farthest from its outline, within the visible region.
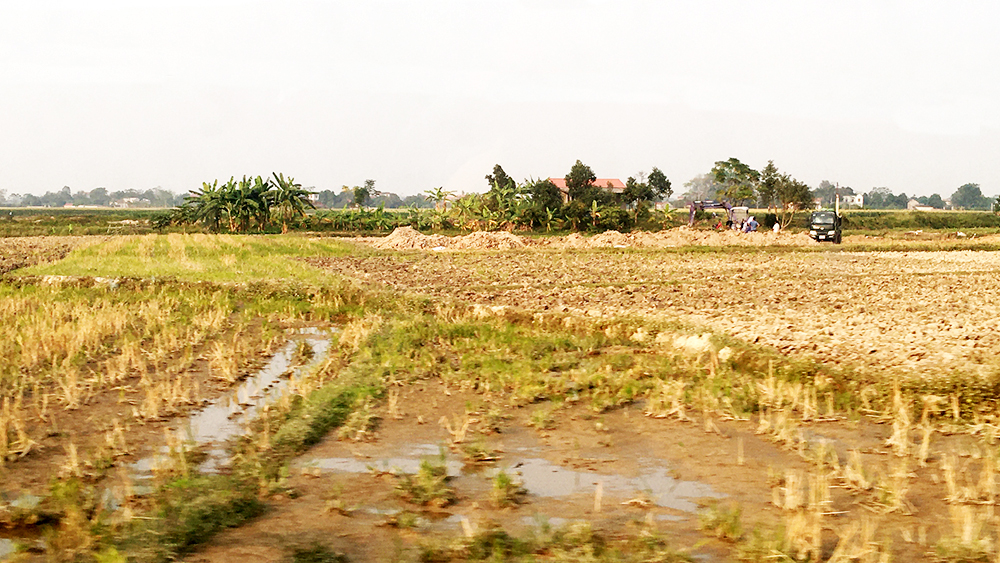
(825, 225)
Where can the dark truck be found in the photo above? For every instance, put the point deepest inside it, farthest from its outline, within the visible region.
(825, 225)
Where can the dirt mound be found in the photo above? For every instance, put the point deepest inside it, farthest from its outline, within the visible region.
(609, 239)
(408, 238)
(681, 236)
(486, 240)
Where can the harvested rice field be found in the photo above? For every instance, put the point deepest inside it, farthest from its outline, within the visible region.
(656, 397)
(897, 314)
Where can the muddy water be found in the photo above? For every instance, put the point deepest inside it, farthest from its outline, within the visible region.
(226, 417)
(212, 426)
(651, 480)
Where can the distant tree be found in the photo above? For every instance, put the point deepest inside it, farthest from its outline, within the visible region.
(638, 193)
(499, 178)
(934, 201)
(361, 194)
(580, 181)
(996, 205)
(388, 200)
(580, 187)
(543, 193)
(739, 180)
(969, 196)
(701, 187)
(826, 192)
(792, 195)
(659, 185)
(99, 196)
(418, 201)
(768, 187)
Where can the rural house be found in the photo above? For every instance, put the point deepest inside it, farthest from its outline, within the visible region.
(614, 185)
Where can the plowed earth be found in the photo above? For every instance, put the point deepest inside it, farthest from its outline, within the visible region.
(20, 252)
(912, 313)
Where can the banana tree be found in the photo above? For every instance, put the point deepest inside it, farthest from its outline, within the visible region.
(289, 200)
(205, 205)
(440, 197)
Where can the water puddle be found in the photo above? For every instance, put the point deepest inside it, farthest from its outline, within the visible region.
(13, 545)
(543, 478)
(226, 417)
(547, 479)
(408, 462)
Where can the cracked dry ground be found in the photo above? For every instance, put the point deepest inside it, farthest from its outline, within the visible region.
(909, 313)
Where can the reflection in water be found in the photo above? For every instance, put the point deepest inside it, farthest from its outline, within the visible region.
(543, 478)
(7, 548)
(225, 417)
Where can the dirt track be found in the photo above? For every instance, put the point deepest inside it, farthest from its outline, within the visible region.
(912, 313)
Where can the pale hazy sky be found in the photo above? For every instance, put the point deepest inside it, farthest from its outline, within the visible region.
(133, 94)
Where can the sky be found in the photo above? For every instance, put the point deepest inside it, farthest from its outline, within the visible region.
(422, 94)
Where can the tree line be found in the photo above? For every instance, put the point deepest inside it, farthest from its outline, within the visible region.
(239, 206)
(741, 185)
(100, 197)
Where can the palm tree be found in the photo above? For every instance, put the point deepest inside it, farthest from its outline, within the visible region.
(289, 200)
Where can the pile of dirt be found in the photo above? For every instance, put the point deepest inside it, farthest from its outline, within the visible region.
(610, 239)
(408, 238)
(681, 236)
(486, 240)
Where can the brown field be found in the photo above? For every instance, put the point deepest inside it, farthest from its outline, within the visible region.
(823, 475)
(892, 313)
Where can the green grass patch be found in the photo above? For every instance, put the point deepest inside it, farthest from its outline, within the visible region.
(198, 257)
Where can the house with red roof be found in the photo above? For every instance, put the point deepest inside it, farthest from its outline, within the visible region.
(613, 185)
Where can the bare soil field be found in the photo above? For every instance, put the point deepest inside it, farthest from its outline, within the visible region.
(895, 313)
(483, 416)
(18, 252)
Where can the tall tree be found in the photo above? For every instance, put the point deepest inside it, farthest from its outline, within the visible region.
(659, 185)
(738, 179)
(701, 187)
(361, 194)
(793, 196)
(580, 181)
(767, 189)
(499, 178)
(969, 196)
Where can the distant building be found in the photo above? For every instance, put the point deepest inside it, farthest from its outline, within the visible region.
(853, 200)
(614, 185)
(914, 205)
